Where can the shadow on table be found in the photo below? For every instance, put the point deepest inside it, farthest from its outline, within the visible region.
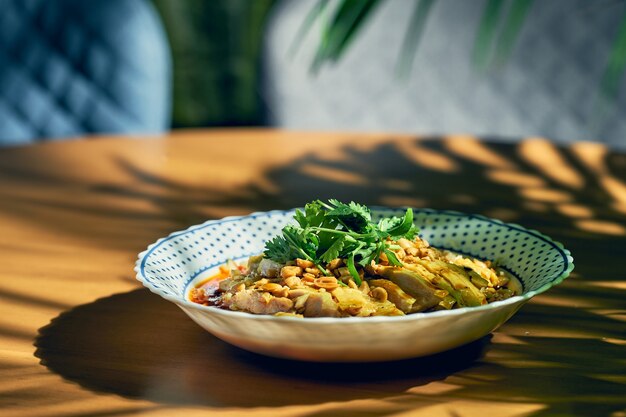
(137, 345)
(562, 354)
(568, 193)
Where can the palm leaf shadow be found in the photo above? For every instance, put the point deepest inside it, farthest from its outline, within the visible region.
(569, 363)
(132, 354)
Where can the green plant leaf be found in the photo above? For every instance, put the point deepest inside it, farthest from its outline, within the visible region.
(413, 37)
(309, 20)
(493, 44)
(486, 34)
(609, 85)
(348, 19)
(512, 26)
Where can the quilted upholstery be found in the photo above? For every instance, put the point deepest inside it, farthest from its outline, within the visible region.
(548, 87)
(74, 67)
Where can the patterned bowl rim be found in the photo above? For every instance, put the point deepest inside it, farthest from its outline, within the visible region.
(520, 299)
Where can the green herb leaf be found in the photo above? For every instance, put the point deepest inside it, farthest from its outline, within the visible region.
(368, 253)
(326, 231)
(302, 241)
(301, 218)
(279, 250)
(352, 269)
(333, 251)
(404, 227)
(393, 260)
(353, 215)
(315, 215)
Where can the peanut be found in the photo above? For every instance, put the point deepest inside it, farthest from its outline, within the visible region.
(313, 271)
(335, 263)
(292, 282)
(271, 287)
(379, 294)
(303, 263)
(290, 271)
(328, 283)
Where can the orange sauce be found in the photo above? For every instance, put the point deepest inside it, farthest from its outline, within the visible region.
(207, 291)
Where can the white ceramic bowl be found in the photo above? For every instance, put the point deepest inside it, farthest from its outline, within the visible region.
(173, 265)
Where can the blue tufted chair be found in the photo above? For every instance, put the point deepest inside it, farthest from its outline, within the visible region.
(75, 67)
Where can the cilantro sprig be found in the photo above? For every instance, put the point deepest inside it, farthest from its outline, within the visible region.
(326, 231)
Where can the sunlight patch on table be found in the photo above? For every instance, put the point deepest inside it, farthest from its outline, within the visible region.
(12, 383)
(602, 227)
(617, 285)
(591, 154)
(546, 195)
(466, 408)
(106, 405)
(545, 156)
(402, 201)
(397, 185)
(574, 210)
(619, 207)
(515, 178)
(500, 337)
(427, 158)
(613, 314)
(474, 150)
(434, 388)
(614, 187)
(333, 174)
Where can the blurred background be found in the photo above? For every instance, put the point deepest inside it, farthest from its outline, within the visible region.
(501, 69)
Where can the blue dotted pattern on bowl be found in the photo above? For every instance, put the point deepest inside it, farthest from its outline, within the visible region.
(170, 264)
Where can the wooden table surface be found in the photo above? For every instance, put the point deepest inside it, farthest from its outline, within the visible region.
(80, 337)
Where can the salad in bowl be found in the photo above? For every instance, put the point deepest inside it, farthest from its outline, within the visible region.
(339, 281)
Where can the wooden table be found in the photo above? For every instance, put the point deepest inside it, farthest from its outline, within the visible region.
(80, 337)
